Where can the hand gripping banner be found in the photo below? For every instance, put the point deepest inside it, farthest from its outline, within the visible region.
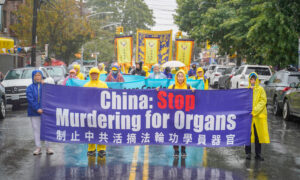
(214, 118)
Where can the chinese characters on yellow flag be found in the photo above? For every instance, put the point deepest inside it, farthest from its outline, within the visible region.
(151, 50)
(124, 49)
(184, 51)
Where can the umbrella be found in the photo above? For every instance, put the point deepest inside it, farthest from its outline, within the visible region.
(173, 64)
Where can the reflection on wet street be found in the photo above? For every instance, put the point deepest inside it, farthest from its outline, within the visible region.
(282, 157)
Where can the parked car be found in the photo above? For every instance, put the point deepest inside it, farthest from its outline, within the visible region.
(277, 86)
(2, 102)
(85, 70)
(58, 73)
(240, 78)
(214, 78)
(16, 82)
(291, 102)
(209, 71)
(224, 80)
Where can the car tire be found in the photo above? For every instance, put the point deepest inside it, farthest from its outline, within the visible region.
(2, 110)
(286, 111)
(237, 85)
(15, 107)
(276, 108)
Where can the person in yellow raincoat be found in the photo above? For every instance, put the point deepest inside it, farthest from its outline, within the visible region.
(101, 68)
(180, 83)
(146, 69)
(78, 73)
(95, 82)
(259, 126)
(200, 76)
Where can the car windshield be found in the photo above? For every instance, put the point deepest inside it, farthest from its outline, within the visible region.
(221, 70)
(259, 70)
(55, 71)
(294, 79)
(19, 74)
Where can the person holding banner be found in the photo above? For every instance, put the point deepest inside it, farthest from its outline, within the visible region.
(200, 76)
(34, 111)
(101, 68)
(167, 72)
(114, 75)
(95, 82)
(78, 73)
(192, 71)
(180, 83)
(72, 75)
(146, 69)
(156, 73)
(259, 126)
(139, 69)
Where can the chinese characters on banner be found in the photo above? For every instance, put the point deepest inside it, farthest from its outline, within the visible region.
(151, 50)
(124, 49)
(145, 117)
(165, 44)
(184, 51)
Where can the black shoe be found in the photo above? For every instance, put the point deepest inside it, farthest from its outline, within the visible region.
(259, 158)
(176, 154)
(91, 153)
(248, 156)
(101, 153)
(183, 154)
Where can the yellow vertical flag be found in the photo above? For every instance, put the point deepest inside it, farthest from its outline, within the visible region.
(184, 50)
(124, 49)
(151, 50)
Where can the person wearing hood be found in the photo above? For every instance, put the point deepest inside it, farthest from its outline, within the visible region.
(156, 73)
(192, 71)
(146, 69)
(138, 69)
(72, 75)
(34, 111)
(114, 75)
(259, 126)
(96, 83)
(180, 83)
(78, 73)
(101, 68)
(168, 73)
(200, 76)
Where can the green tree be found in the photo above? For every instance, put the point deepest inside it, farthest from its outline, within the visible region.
(132, 14)
(59, 24)
(264, 32)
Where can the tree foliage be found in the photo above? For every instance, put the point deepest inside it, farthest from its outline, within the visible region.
(262, 31)
(59, 24)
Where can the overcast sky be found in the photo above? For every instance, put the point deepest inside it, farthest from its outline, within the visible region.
(163, 11)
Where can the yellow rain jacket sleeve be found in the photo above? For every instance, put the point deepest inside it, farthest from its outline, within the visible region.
(201, 77)
(146, 69)
(177, 85)
(103, 69)
(79, 74)
(98, 84)
(259, 113)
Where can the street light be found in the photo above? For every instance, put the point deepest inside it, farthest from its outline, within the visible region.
(109, 12)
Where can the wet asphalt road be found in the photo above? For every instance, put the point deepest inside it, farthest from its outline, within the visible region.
(282, 157)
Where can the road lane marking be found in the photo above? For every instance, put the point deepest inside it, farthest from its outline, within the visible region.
(146, 163)
(204, 164)
(134, 163)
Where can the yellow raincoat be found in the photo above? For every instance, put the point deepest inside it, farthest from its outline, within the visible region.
(202, 77)
(146, 69)
(103, 69)
(259, 112)
(98, 84)
(177, 85)
(79, 74)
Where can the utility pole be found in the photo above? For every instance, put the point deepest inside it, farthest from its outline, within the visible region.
(299, 54)
(33, 42)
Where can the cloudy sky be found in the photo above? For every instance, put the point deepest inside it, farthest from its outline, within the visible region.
(163, 11)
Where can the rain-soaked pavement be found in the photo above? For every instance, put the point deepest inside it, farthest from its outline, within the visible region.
(282, 158)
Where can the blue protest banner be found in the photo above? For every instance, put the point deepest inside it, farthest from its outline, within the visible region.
(214, 118)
